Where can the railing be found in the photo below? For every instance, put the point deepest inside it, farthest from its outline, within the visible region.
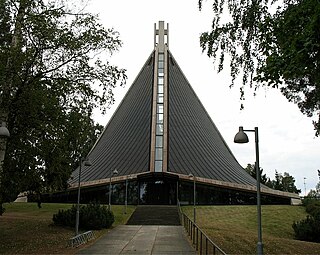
(81, 239)
(201, 242)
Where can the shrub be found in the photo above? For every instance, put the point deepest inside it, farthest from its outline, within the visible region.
(309, 228)
(65, 217)
(91, 217)
(94, 216)
(313, 208)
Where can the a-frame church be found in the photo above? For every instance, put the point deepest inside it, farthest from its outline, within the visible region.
(161, 142)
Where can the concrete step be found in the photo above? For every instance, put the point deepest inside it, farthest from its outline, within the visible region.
(165, 215)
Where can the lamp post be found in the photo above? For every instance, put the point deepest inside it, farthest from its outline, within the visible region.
(194, 197)
(241, 137)
(126, 198)
(115, 172)
(4, 135)
(86, 162)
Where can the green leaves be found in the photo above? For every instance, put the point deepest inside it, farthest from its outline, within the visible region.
(270, 43)
(54, 70)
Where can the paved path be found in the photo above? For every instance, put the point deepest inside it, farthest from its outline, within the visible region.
(142, 240)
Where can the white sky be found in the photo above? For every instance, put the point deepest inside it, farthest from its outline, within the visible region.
(287, 140)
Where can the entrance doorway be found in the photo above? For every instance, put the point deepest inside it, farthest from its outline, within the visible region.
(157, 190)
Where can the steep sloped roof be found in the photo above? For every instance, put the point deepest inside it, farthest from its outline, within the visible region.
(195, 143)
(125, 143)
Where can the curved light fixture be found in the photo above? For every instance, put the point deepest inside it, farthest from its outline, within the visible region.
(4, 132)
(241, 136)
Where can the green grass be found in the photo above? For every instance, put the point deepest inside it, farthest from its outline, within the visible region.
(234, 228)
(26, 229)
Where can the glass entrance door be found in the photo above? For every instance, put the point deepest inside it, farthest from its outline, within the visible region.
(157, 192)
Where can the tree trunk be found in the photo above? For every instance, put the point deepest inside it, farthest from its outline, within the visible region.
(8, 85)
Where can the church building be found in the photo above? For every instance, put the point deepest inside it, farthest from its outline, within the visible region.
(160, 145)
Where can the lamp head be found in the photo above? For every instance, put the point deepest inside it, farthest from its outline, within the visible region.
(190, 175)
(87, 162)
(115, 172)
(4, 132)
(241, 136)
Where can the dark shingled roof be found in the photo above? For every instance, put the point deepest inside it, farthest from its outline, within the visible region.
(194, 142)
(125, 143)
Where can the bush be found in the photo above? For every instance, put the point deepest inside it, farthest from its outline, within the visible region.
(66, 217)
(313, 208)
(309, 228)
(91, 217)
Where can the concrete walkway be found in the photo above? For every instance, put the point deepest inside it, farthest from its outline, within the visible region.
(142, 240)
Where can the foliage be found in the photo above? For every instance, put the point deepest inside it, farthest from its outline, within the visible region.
(313, 208)
(281, 182)
(314, 193)
(272, 43)
(251, 169)
(284, 182)
(54, 70)
(309, 228)
(91, 216)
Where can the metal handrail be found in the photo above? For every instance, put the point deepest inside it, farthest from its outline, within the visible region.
(201, 242)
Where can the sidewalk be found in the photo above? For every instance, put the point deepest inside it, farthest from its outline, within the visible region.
(142, 240)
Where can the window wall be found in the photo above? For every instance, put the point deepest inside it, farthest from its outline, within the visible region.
(159, 121)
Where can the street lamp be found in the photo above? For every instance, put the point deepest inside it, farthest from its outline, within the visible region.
(115, 172)
(241, 137)
(194, 197)
(126, 195)
(4, 135)
(4, 132)
(86, 162)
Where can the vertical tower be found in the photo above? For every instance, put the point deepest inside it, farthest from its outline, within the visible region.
(159, 126)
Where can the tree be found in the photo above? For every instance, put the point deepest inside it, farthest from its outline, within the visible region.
(251, 169)
(54, 70)
(270, 43)
(284, 182)
(315, 193)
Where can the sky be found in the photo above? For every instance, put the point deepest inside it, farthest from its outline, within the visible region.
(287, 141)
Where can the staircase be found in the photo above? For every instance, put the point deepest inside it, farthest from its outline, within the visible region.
(155, 215)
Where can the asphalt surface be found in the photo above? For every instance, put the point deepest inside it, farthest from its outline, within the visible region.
(142, 240)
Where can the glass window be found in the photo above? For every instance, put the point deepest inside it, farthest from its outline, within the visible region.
(158, 166)
(158, 154)
(160, 80)
(160, 72)
(160, 89)
(159, 108)
(159, 129)
(160, 118)
(161, 65)
(160, 98)
(159, 141)
(161, 57)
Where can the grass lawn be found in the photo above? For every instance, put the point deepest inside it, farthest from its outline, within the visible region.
(25, 229)
(234, 228)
